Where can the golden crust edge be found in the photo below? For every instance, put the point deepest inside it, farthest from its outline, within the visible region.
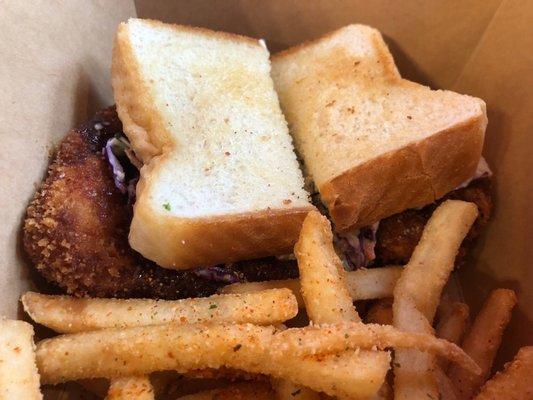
(360, 211)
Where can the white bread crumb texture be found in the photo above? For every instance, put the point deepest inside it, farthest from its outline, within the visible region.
(344, 96)
(226, 146)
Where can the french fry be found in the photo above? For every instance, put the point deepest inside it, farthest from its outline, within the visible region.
(446, 389)
(453, 317)
(363, 284)
(433, 258)
(380, 313)
(483, 340)
(325, 339)
(256, 349)
(226, 374)
(18, 373)
(66, 314)
(414, 376)
(284, 389)
(323, 281)
(385, 392)
(287, 390)
(452, 321)
(514, 382)
(240, 391)
(418, 291)
(134, 351)
(130, 388)
(322, 275)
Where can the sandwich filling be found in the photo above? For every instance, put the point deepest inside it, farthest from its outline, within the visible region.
(356, 247)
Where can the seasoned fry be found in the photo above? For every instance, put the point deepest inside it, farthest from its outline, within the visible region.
(240, 391)
(256, 349)
(286, 390)
(453, 317)
(413, 370)
(67, 314)
(375, 283)
(224, 373)
(433, 258)
(380, 313)
(250, 287)
(385, 392)
(130, 388)
(141, 350)
(322, 279)
(18, 373)
(419, 289)
(446, 390)
(452, 322)
(483, 340)
(514, 382)
(337, 337)
(363, 284)
(99, 387)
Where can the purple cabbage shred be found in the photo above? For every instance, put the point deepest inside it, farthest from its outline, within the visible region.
(119, 176)
(124, 165)
(356, 247)
(218, 274)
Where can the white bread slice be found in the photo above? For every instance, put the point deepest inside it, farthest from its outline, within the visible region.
(220, 180)
(374, 143)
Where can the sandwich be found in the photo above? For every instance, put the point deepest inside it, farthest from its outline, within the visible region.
(191, 182)
(373, 143)
(220, 181)
(110, 217)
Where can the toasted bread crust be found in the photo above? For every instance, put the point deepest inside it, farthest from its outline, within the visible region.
(428, 167)
(183, 243)
(376, 181)
(137, 113)
(234, 37)
(215, 240)
(382, 48)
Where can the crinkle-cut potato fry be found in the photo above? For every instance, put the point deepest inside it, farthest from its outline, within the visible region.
(483, 340)
(380, 312)
(257, 349)
(414, 376)
(287, 390)
(418, 291)
(19, 378)
(237, 391)
(131, 388)
(432, 261)
(514, 382)
(322, 278)
(67, 314)
(363, 284)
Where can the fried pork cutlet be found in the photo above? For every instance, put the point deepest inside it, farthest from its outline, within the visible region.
(76, 229)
